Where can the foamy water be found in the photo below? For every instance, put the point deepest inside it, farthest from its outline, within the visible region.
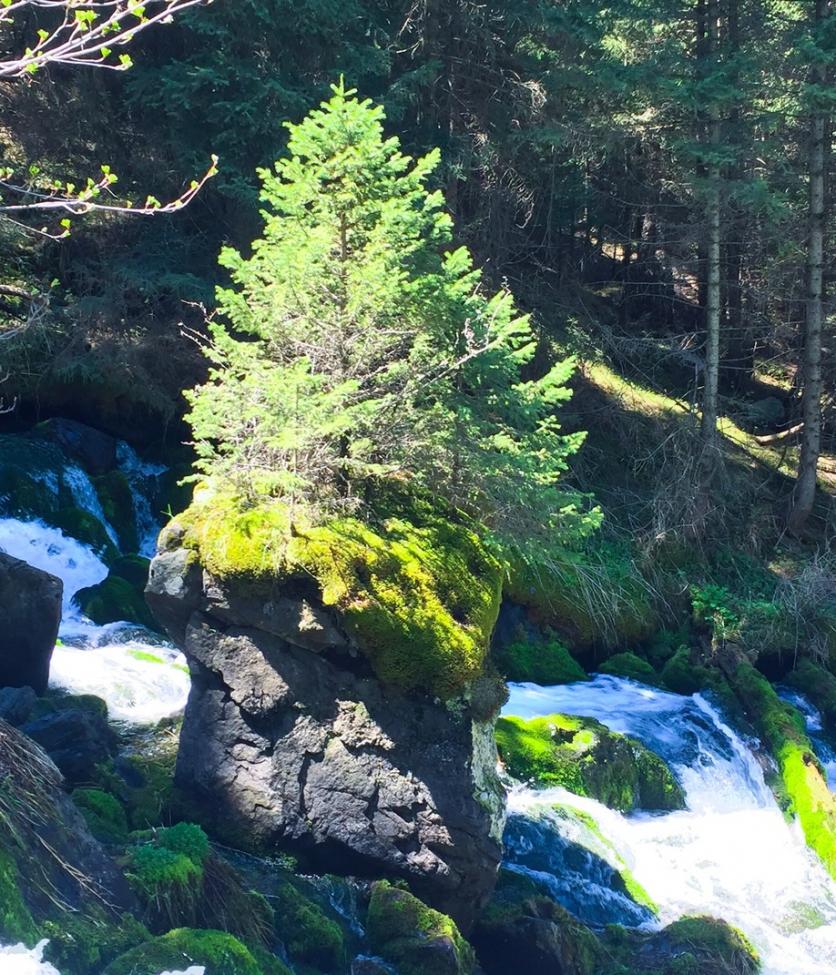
(20, 960)
(730, 854)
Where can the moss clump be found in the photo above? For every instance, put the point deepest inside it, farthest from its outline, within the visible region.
(309, 935)
(168, 884)
(81, 525)
(417, 939)
(542, 661)
(116, 499)
(58, 700)
(683, 676)
(219, 952)
(104, 814)
(186, 839)
(717, 947)
(594, 599)
(148, 791)
(584, 756)
(782, 730)
(419, 591)
(819, 685)
(630, 666)
(16, 923)
(113, 601)
(133, 569)
(84, 945)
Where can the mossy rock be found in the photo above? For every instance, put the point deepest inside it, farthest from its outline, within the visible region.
(418, 590)
(522, 930)
(596, 599)
(783, 732)
(415, 938)
(116, 498)
(31, 475)
(104, 813)
(545, 662)
(16, 922)
(309, 935)
(682, 675)
(819, 685)
(145, 784)
(631, 666)
(114, 600)
(220, 953)
(133, 569)
(86, 528)
(56, 699)
(717, 947)
(84, 945)
(585, 757)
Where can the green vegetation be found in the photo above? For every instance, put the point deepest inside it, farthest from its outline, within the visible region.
(310, 936)
(414, 937)
(83, 945)
(16, 923)
(419, 591)
(545, 661)
(715, 946)
(631, 666)
(220, 953)
(113, 600)
(104, 814)
(782, 730)
(585, 757)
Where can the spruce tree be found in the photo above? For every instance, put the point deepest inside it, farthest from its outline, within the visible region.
(354, 345)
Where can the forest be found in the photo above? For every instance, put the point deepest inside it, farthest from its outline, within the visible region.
(417, 477)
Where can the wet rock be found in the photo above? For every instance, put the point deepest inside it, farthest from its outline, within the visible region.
(30, 611)
(16, 704)
(95, 450)
(76, 740)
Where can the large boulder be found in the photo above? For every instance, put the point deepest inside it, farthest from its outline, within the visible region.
(76, 739)
(292, 741)
(30, 610)
(95, 450)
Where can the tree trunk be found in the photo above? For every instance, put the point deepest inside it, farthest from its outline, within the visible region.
(804, 492)
(712, 291)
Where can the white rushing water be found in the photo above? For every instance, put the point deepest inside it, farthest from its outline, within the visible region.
(20, 960)
(140, 675)
(730, 854)
(142, 477)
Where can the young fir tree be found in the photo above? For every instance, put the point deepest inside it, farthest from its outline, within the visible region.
(355, 347)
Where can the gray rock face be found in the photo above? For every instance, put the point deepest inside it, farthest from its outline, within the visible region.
(291, 743)
(30, 614)
(96, 450)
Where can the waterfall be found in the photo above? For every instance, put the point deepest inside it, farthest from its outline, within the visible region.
(143, 477)
(140, 675)
(730, 853)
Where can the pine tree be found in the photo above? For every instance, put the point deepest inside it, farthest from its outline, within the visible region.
(368, 350)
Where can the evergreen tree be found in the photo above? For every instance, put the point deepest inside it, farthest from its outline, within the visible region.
(369, 350)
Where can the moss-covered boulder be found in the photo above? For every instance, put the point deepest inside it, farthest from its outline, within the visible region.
(220, 953)
(631, 666)
(414, 937)
(584, 756)
(308, 934)
(544, 661)
(804, 784)
(418, 591)
(80, 945)
(522, 930)
(114, 600)
(104, 814)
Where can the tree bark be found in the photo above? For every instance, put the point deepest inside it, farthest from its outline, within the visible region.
(804, 492)
(713, 243)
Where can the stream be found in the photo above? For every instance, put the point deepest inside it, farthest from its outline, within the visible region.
(730, 854)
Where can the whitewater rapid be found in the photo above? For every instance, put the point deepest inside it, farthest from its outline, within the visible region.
(140, 675)
(730, 854)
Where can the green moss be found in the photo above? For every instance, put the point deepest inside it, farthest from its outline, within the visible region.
(681, 675)
(782, 730)
(309, 935)
(544, 662)
(58, 700)
(84, 945)
(16, 923)
(116, 499)
(819, 685)
(631, 666)
(114, 600)
(150, 793)
(220, 953)
(104, 814)
(133, 569)
(187, 839)
(717, 947)
(582, 755)
(85, 527)
(597, 598)
(419, 591)
(402, 929)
